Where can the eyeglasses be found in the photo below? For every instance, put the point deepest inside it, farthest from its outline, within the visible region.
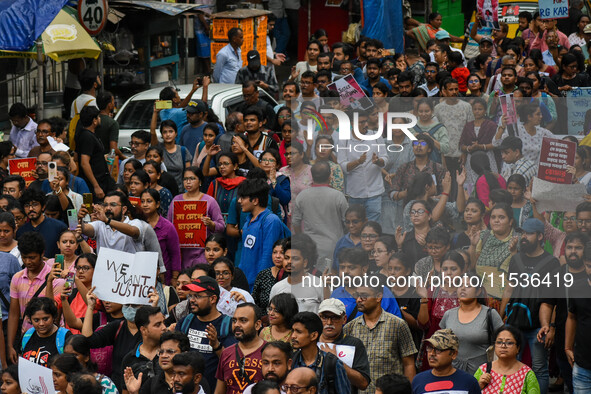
(41, 131)
(110, 204)
(295, 389)
(419, 143)
(224, 274)
(362, 296)
(270, 309)
(581, 222)
(7, 190)
(267, 160)
(417, 212)
(435, 248)
(436, 350)
(167, 351)
(83, 268)
(369, 236)
(354, 221)
(32, 204)
(191, 296)
(324, 317)
(504, 344)
(430, 71)
(570, 218)
(474, 81)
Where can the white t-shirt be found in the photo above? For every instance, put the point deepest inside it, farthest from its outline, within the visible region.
(80, 101)
(308, 297)
(107, 237)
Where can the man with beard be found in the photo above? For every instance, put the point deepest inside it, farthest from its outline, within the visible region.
(240, 364)
(188, 369)
(208, 330)
(275, 362)
(33, 202)
(258, 140)
(111, 227)
(263, 76)
(554, 329)
(41, 170)
(332, 312)
(521, 301)
(583, 213)
(431, 86)
(307, 328)
(373, 77)
(395, 351)
(577, 343)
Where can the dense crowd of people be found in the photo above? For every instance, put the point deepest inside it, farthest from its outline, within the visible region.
(303, 282)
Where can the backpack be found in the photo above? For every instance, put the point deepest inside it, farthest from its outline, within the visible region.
(224, 329)
(60, 338)
(523, 307)
(74, 124)
(328, 382)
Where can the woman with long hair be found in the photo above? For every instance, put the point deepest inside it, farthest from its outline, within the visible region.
(8, 243)
(10, 384)
(280, 183)
(324, 153)
(473, 322)
(156, 154)
(168, 237)
(436, 301)
(269, 276)
(286, 135)
(225, 187)
(313, 49)
(570, 75)
(129, 168)
(216, 246)
(507, 374)
(154, 171)
(223, 270)
(79, 346)
(491, 250)
(474, 219)
(486, 180)
(203, 154)
(428, 123)
(477, 136)
(522, 208)
(579, 172)
(213, 220)
(383, 249)
(413, 242)
(298, 171)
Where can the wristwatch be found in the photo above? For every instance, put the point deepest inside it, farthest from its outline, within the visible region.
(108, 222)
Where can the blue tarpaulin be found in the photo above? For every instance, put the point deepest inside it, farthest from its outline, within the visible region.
(23, 21)
(382, 19)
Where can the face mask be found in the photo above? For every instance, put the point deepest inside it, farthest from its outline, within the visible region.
(129, 313)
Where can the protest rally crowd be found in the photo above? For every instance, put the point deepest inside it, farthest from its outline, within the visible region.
(287, 206)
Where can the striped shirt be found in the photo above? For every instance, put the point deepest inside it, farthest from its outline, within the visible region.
(23, 289)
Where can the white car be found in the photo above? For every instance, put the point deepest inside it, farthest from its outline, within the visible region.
(136, 113)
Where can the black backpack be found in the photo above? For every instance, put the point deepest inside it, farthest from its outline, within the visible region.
(329, 364)
(523, 307)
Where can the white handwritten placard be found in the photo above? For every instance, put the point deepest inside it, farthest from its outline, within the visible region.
(125, 278)
(345, 353)
(33, 378)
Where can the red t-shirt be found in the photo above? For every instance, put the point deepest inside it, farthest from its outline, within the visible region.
(229, 369)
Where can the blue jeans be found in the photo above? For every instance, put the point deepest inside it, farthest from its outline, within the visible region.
(581, 380)
(372, 205)
(539, 358)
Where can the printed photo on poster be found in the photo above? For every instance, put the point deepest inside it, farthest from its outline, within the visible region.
(490, 13)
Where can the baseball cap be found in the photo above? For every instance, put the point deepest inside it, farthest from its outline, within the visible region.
(486, 39)
(332, 305)
(444, 339)
(532, 225)
(203, 283)
(441, 35)
(195, 107)
(254, 59)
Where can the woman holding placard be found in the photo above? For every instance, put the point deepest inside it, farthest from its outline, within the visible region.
(214, 221)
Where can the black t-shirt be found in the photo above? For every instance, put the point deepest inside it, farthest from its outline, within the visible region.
(40, 350)
(140, 364)
(410, 302)
(460, 240)
(412, 248)
(581, 307)
(123, 343)
(168, 181)
(87, 143)
(541, 268)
